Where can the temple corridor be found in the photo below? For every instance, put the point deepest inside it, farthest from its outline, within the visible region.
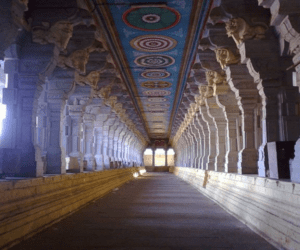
(154, 211)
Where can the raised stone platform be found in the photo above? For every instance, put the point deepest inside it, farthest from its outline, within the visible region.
(157, 169)
(270, 207)
(157, 211)
(28, 205)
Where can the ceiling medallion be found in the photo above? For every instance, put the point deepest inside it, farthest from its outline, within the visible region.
(156, 84)
(151, 18)
(155, 73)
(153, 43)
(157, 99)
(158, 105)
(154, 61)
(156, 93)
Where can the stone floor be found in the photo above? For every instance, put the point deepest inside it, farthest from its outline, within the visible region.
(156, 211)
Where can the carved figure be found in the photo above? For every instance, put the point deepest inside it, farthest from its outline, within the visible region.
(59, 33)
(226, 57)
(77, 60)
(104, 92)
(239, 30)
(109, 66)
(18, 7)
(209, 92)
(213, 77)
(111, 101)
(91, 79)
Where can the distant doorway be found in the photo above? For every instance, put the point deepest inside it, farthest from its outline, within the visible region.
(160, 157)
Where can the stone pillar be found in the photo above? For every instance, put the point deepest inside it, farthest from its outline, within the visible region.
(198, 143)
(118, 137)
(105, 137)
(89, 154)
(212, 131)
(56, 104)
(205, 138)
(112, 131)
(153, 157)
(217, 114)
(121, 145)
(22, 157)
(166, 157)
(246, 94)
(76, 157)
(100, 119)
(231, 110)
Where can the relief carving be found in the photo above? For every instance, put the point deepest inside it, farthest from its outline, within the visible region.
(91, 79)
(109, 66)
(77, 60)
(218, 82)
(239, 30)
(215, 78)
(104, 92)
(18, 7)
(226, 57)
(59, 34)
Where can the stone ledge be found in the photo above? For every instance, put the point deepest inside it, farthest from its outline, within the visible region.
(270, 207)
(30, 205)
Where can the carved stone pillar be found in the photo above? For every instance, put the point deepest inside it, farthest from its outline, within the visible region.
(75, 112)
(111, 154)
(203, 140)
(217, 114)
(100, 119)
(231, 111)
(198, 143)
(166, 157)
(153, 157)
(118, 136)
(246, 94)
(121, 145)
(89, 154)
(55, 159)
(212, 131)
(105, 138)
(22, 157)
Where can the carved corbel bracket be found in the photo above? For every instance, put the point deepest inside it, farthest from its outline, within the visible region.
(18, 7)
(59, 34)
(240, 30)
(77, 60)
(226, 57)
(90, 80)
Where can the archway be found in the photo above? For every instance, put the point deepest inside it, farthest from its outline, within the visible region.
(148, 155)
(160, 157)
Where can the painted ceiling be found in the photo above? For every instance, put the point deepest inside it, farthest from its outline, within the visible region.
(157, 43)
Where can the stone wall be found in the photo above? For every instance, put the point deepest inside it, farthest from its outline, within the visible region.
(30, 205)
(269, 207)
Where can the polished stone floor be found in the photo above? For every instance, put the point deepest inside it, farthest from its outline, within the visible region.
(155, 211)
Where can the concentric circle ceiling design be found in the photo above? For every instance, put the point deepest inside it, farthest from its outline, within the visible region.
(157, 93)
(151, 18)
(157, 99)
(157, 61)
(154, 105)
(155, 74)
(156, 84)
(153, 43)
